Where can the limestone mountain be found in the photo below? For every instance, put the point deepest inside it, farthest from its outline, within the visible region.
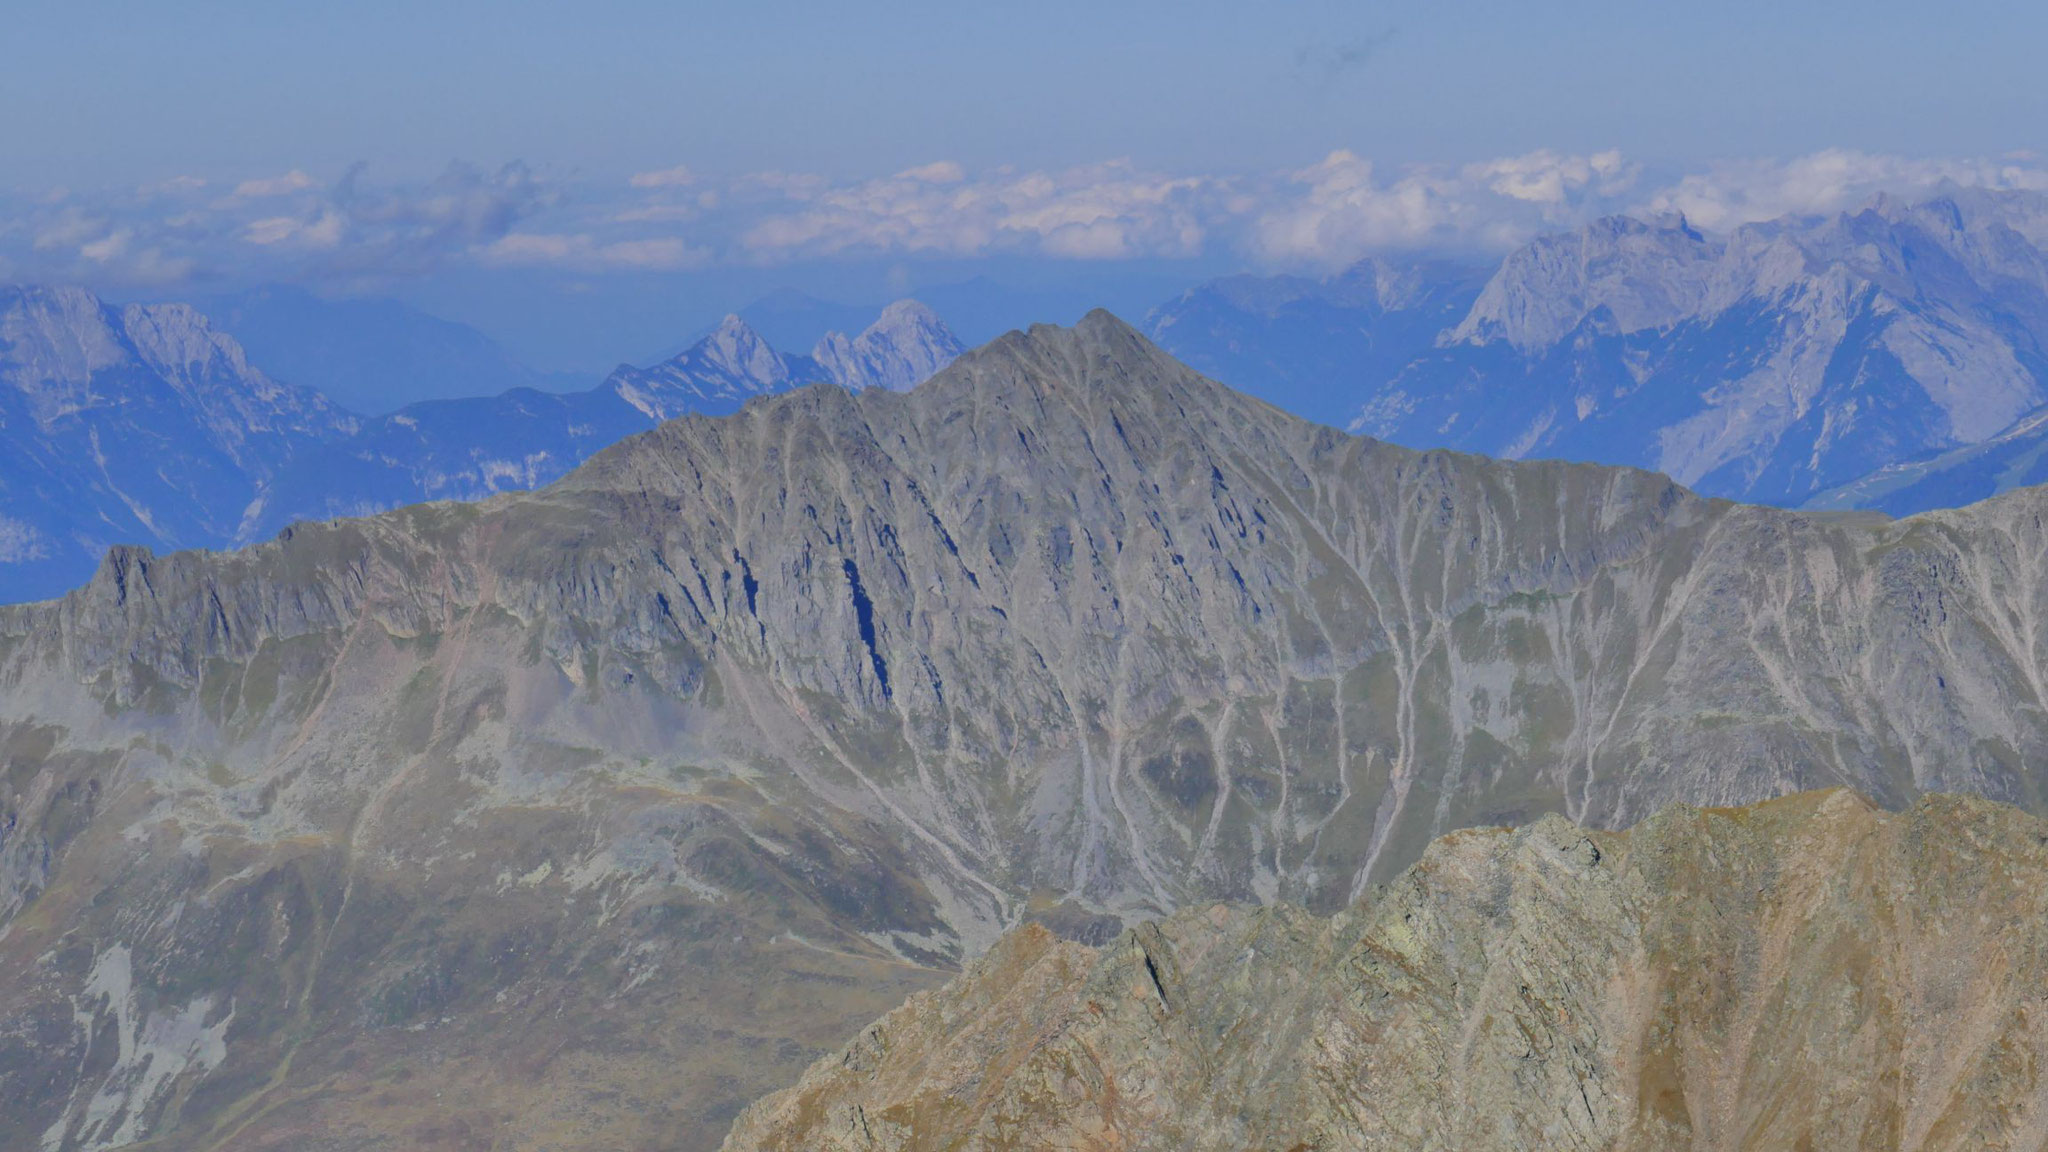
(2016, 457)
(469, 449)
(1774, 363)
(137, 425)
(900, 350)
(1808, 974)
(577, 818)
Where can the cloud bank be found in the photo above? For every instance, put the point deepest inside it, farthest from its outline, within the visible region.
(1325, 215)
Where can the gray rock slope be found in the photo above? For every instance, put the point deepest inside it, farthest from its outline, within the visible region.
(603, 809)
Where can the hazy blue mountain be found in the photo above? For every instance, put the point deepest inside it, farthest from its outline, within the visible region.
(1777, 362)
(1312, 346)
(372, 355)
(1781, 361)
(472, 448)
(147, 425)
(788, 318)
(141, 424)
(2015, 458)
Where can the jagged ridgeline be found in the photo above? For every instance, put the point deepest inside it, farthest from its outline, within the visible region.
(1807, 974)
(579, 818)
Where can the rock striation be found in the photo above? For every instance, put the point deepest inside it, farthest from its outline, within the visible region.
(1811, 973)
(606, 808)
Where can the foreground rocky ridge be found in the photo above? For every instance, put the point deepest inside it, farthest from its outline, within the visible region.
(1811, 974)
(667, 777)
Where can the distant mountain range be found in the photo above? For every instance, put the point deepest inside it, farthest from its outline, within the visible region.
(147, 425)
(1890, 357)
(371, 355)
(1893, 358)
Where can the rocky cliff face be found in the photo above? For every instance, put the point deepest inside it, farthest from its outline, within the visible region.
(903, 348)
(662, 779)
(1808, 974)
(130, 425)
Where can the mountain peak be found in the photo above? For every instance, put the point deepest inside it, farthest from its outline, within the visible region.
(1644, 274)
(905, 311)
(904, 346)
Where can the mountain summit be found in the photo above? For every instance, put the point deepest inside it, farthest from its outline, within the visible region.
(900, 350)
(602, 809)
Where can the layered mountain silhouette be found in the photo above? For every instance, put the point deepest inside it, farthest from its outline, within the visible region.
(580, 817)
(147, 425)
(1785, 362)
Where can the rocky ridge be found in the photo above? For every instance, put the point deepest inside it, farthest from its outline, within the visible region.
(668, 776)
(1812, 973)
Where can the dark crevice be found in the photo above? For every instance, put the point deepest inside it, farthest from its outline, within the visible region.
(748, 582)
(864, 610)
(1158, 985)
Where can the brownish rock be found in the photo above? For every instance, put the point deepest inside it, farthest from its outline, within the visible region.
(1809, 974)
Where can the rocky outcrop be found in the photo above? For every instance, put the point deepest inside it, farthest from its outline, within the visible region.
(754, 724)
(1812, 973)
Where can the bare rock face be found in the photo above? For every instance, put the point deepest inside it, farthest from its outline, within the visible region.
(579, 818)
(137, 423)
(903, 348)
(1812, 973)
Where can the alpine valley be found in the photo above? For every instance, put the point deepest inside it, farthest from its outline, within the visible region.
(579, 818)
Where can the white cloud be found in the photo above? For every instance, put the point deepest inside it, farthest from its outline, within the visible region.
(1101, 211)
(107, 247)
(676, 177)
(320, 230)
(582, 251)
(1341, 212)
(290, 182)
(1741, 192)
(1317, 218)
(1546, 177)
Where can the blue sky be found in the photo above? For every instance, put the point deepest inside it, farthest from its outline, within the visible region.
(128, 90)
(523, 152)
